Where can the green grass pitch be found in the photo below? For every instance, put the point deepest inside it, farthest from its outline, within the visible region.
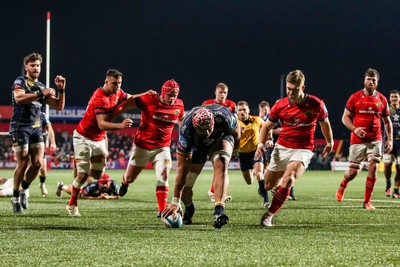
(315, 230)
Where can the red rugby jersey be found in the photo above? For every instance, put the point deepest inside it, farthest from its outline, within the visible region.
(368, 112)
(228, 103)
(99, 103)
(298, 121)
(157, 121)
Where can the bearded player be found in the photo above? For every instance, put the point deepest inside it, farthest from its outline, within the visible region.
(363, 115)
(152, 141)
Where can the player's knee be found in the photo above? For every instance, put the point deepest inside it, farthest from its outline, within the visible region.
(354, 166)
(22, 165)
(221, 158)
(100, 167)
(191, 179)
(351, 173)
(162, 177)
(162, 171)
(82, 166)
(374, 159)
(36, 165)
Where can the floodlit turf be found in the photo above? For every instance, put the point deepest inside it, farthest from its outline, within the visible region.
(315, 230)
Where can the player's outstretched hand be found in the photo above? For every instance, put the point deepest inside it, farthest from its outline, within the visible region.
(127, 123)
(171, 209)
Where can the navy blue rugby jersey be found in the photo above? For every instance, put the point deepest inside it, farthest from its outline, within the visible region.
(26, 115)
(92, 189)
(224, 124)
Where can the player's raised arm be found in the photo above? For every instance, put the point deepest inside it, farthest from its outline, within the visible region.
(51, 100)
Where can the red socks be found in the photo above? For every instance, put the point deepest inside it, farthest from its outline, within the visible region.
(344, 183)
(369, 188)
(279, 199)
(162, 197)
(74, 196)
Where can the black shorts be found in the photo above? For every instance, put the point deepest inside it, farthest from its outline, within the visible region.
(26, 136)
(267, 155)
(200, 154)
(247, 160)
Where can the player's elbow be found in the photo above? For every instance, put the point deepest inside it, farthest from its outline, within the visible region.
(59, 107)
(103, 126)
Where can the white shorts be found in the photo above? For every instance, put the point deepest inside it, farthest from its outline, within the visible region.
(85, 149)
(141, 156)
(359, 152)
(281, 156)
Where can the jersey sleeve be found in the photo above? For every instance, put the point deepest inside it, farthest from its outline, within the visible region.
(350, 104)
(122, 96)
(273, 115)
(184, 142)
(100, 105)
(232, 124)
(386, 110)
(323, 111)
(182, 114)
(85, 190)
(18, 84)
(142, 101)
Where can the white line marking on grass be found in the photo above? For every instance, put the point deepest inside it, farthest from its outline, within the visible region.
(330, 224)
(359, 199)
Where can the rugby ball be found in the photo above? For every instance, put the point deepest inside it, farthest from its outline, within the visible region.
(173, 220)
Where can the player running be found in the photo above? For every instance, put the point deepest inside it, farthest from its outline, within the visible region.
(159, 115)
(298, 113)
(89, 137)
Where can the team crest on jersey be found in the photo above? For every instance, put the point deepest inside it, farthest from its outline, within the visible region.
(308, 113)
(176, 112)
(183, 143)
(378, 104)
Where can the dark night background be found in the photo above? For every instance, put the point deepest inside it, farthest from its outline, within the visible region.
(246, 44)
